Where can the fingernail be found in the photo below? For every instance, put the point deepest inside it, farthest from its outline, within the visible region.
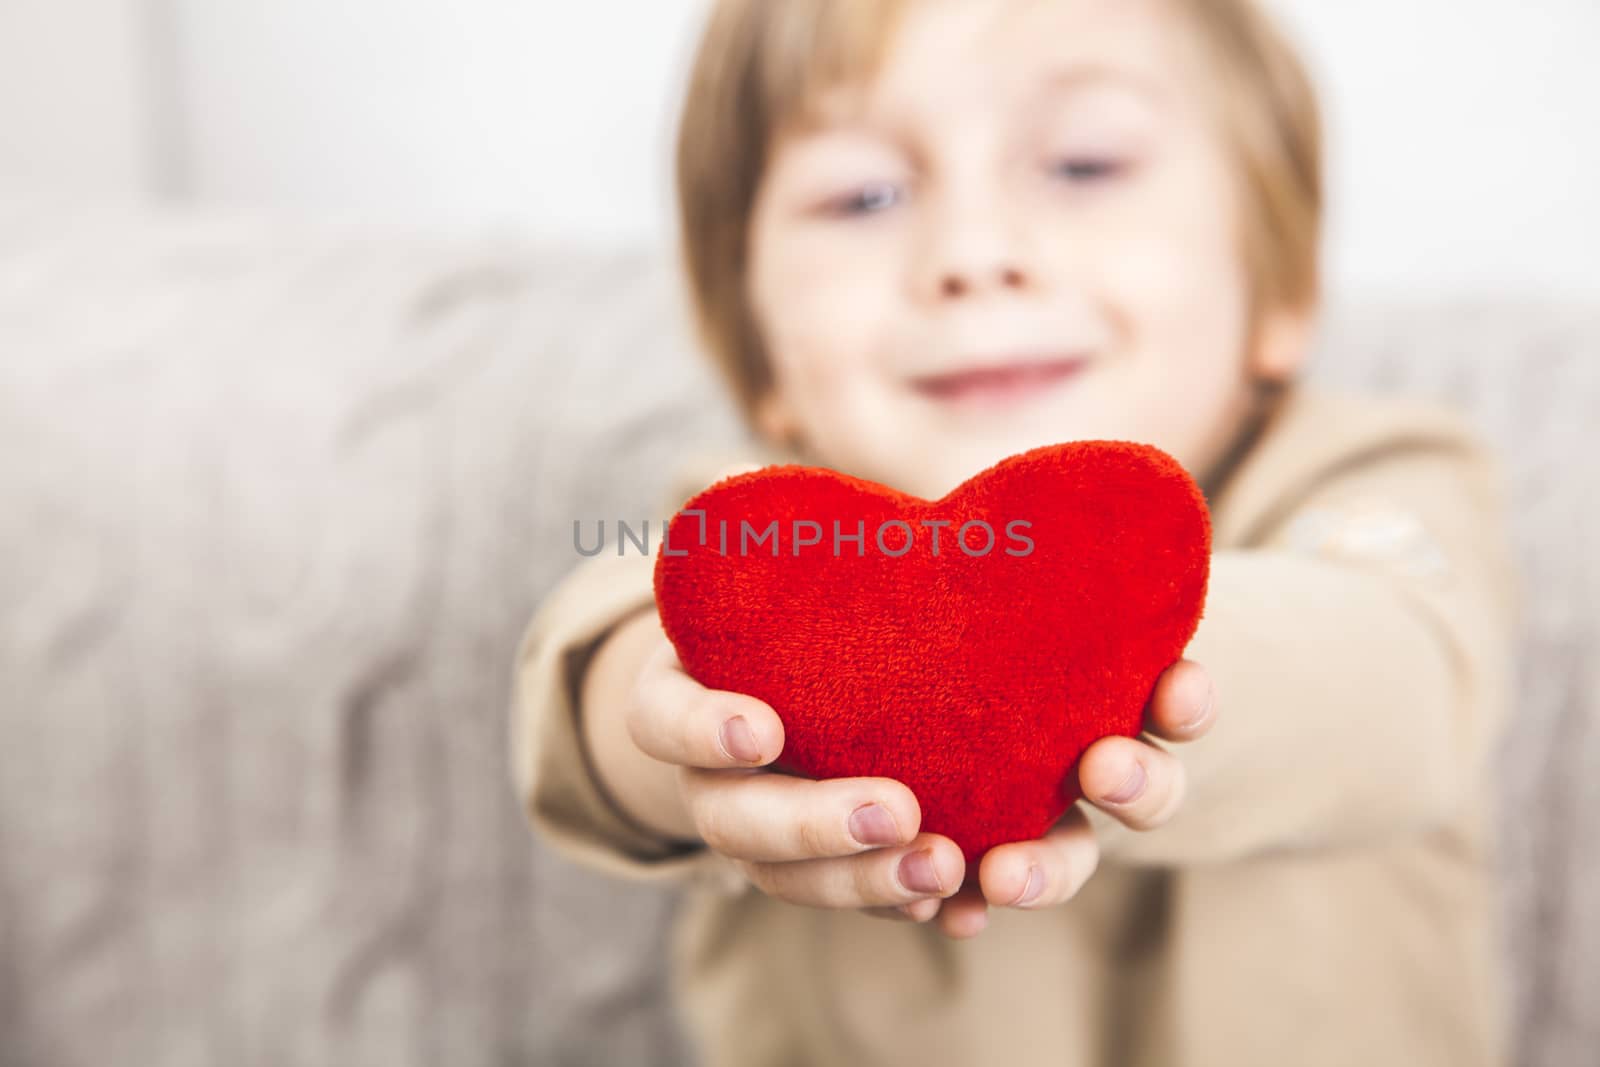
(917, 872)
(871, 824)
(1131, 786)
(739, 740)
(1205, 707)
(1035, 886)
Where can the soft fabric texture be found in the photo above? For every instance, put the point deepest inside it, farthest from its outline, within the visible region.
(971, 647)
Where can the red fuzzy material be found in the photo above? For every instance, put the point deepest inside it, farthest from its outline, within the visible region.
(977, 680)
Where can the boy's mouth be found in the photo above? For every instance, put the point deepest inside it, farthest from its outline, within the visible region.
(1000, 385)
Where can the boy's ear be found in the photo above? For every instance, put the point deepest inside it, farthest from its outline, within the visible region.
(1283, 343)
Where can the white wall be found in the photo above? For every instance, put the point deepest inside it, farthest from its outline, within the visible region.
(1465, 133)
(1465, 139)
(549, 113)
(75, 99)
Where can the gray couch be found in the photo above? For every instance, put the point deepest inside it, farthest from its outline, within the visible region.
(275, 503)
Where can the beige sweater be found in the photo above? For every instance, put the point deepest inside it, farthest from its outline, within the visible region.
(1322, 897)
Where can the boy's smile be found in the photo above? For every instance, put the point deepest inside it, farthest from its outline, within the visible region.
(1025, 230)
(988, 384)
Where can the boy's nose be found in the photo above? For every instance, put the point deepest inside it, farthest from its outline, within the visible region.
(973, 247)
(959, 283)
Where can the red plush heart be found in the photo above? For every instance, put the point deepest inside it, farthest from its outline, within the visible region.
(975, 677)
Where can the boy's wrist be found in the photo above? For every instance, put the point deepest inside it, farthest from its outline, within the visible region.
(644, 791)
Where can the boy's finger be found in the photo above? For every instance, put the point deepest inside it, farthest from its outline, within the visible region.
(1134, 781)
(1038, 874)
(1183, 705)
(675, 719)
(898, 914)
(965, 914)
(764, 817)
(930, 866)
(918, 911)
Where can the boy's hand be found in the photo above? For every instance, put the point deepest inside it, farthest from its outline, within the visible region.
(855, 842)
(835, 843)
(1130, 779)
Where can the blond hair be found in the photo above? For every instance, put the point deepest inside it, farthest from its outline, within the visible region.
(761, 66)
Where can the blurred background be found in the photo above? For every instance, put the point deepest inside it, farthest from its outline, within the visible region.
(1462, 130)
(318, 323)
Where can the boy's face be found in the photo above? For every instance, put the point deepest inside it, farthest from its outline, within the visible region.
(1025, 231)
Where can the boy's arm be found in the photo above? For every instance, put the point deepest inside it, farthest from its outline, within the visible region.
(595, 617)
(1361, 650)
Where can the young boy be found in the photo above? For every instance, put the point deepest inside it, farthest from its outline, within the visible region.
(922, 236)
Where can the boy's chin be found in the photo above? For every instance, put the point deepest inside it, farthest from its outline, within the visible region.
(1006, 435)
(943, 464)
(931, 453)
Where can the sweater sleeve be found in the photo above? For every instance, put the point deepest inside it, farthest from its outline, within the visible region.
(1361, 649)
(554, 776)
(553, 773)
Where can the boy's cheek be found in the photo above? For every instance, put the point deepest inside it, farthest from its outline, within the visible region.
(1158, 288)
(844, 325)
(809, 288)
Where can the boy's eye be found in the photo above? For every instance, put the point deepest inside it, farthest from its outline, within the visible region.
(1087, 169)
(866, 200)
